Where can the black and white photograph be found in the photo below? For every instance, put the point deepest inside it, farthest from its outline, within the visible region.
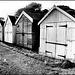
(37, 37)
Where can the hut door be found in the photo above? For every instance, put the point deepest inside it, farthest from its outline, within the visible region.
(61, 40)
(55, 39)
(50, 39)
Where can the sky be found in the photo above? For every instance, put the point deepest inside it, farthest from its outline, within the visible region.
(10, 7)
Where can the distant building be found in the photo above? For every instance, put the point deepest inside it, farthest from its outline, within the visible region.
(10, 29)
(1, 30)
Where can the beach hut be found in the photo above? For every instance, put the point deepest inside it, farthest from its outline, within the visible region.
(9, 29)
(57, 33)
(1, 30)
(27, 32)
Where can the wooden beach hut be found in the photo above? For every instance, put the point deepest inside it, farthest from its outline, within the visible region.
(57, 33)
(10, 29)
(27, 34)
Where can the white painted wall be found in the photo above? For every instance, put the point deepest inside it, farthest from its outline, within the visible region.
(8, 31)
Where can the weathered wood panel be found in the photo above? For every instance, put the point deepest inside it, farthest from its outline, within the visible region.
(29, 32)
(25, 40)
(8, 31)
(29, 40)
(24, 30)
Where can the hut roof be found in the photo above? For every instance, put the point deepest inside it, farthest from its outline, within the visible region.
(2, 22)
(64, 9)
(68, 10)
(13, 19)
(31, 15)
(35, 16)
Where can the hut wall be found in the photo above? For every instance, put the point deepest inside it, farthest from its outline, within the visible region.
(27, 34)
(71, 40)
(24, 32)
(8, 31)
(19, 32)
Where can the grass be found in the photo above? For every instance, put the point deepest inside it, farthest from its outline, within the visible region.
(10, 69)
(20, 61)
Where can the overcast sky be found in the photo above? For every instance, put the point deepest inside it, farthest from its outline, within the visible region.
(10, 7)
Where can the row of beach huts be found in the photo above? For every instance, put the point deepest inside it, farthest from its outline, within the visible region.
(52, 34)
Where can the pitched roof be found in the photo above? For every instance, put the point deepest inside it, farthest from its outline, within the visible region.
(35, 16)
(31, 16)
(13, 19)
(69, 13)
(2, 22)
(68, 10)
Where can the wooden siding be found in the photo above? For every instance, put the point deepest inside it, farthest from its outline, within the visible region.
(24, 32)
(27, 34)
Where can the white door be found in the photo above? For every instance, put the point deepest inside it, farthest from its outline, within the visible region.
(51, 39)
(61, 40)
(56, 40)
